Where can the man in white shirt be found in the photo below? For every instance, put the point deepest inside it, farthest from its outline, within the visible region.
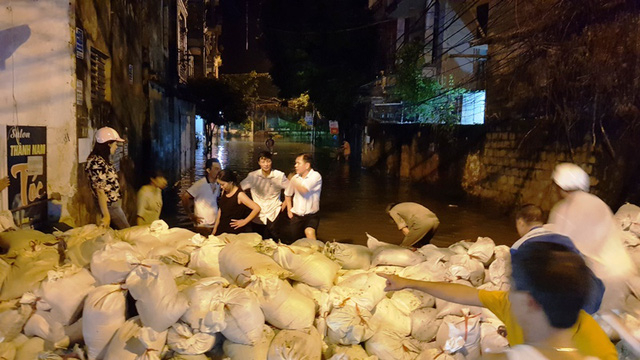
(150, 199)
(266, 186)
(304, 189)
(204, 195)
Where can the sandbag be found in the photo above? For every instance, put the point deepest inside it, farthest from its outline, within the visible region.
(320, 297)
(28, 270)
(12, 319)
(352, 352)
(628, 216)
(243, 317)
(426, 300)
(42, 325)
(206, 305)
(250, 239)
(364, 289)
(7, 351)
(158, 301)
(283, 307)
(5, 268)
(312, 244)
(239, 261)
(307, 266)
(349, 325)
(388, 254)
(491, 341)
(83, 242)
(133, 341)
(439, 354)
(18, 241)
(389, 345)
(183, 340)
(296, 345)
(65, 290)
(103, 314)
(204, 259)
(258, 351)
(466, 268)
(482, 250)
(30, 349)
(460, 334)
(446, 308)
(349, 256)
(424, 324)
(389, 316)
(432, 269)
(113, 264)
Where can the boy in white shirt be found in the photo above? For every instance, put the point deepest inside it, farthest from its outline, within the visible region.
(266, 186)
(150, 199)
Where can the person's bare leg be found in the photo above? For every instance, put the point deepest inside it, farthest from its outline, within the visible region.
(310, 233)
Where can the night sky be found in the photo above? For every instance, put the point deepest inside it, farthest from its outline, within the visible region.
(235, 56)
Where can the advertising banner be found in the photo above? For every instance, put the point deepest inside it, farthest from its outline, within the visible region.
(27, 170)
(333, 127)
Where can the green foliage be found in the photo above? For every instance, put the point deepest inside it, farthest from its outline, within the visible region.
(217, 101)
(320, 47)
(424, 98)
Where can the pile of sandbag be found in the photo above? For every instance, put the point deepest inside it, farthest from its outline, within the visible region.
(159, 293)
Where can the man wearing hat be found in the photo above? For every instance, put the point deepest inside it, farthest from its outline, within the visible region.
(590, 224)
(103, 179)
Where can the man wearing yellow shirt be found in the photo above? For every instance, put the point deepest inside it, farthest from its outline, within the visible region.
(549, 287)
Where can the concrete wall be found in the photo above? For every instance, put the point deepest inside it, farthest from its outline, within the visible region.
(37, 82)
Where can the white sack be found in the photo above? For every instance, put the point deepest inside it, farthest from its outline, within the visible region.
(424, 324)
(426, 300)
(388, 254)
(42, 325)
(388, 345)
(352, 352)
(84, 241)
(432, 269)
(258, 351)
(12, 320)
(313, 244)
(206, 305)
(302, 344)
(204, 259)
(439, 354)
(28, 270)
(450, 308)
(283, 307)
(390, 317)
(628, 216)
(466, 268)
(349, 325)
(30, 349)
(349, 256)
(243, 317)
(65, 290)
(102, 316)
(491, 341)
(7, 350)
(482, 250)
(364, 289)
(112, 264)
(239, 261)
(460, 334)
(158, 301)
(307, 266)
(183, 340)
(250, 239)
(133, 341)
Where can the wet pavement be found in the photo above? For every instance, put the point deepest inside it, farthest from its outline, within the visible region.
(353, 200)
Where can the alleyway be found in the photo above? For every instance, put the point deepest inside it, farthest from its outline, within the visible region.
(353, 200)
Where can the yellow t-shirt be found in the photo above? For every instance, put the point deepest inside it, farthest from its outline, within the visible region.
(589, 338)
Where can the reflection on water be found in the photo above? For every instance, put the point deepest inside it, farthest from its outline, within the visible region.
(353, 201)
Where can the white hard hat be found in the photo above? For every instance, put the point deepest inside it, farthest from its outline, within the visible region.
(571, 177)
(107, 134)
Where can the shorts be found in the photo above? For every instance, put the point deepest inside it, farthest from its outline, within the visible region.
(300, 223)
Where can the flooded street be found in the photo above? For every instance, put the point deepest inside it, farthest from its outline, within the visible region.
(353, 200)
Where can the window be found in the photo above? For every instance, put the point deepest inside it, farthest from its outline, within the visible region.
(98, 75)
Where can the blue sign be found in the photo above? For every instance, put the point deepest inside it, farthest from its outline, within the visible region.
(79, 43)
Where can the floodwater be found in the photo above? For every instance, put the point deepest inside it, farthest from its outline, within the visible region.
(353, 200)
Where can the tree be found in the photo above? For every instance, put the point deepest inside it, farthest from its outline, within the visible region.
(424, 99)
(320, 47)
(217, 101)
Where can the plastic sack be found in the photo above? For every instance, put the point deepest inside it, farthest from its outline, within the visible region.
(390, 317)
(183, 340)
(349, 325)
(482, 250)
(388, 254)
(388, 345)
(28, 270)
(239, 261)
(352, 352)
(243, 317)
(102, 316)
(491, 341)
(258, 351)
(42, 325)
(349, 256)
(204, 259)
(364, 289)
(206, 306)
(113, 264)
(283, 307)
(466, 268)
(65, 290)
(133, 341)
(296, 345)
(307, 266)
(12, 320)
(158, 301)
(424, 324)
(460, 334)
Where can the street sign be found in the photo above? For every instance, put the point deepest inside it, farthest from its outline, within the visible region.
(333, 127)
(79, 43)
